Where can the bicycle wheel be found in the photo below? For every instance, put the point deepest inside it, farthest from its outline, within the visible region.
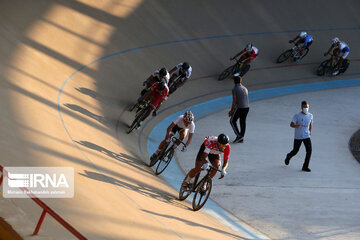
(137, 119)
(185, 190)
(323, 68)
(284, 56)
(226, 73)
(202, 193)
(131, 108)
(164, 161)
(132, 126)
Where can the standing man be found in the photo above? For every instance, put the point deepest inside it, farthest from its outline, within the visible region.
(302, 122)
(239, 108)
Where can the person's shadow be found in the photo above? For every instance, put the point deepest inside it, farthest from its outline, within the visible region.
(123, 157)
(88, 92)
(137, 186)
(86, 112)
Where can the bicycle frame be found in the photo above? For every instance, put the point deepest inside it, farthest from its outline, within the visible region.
(197, 183)
(166, 154)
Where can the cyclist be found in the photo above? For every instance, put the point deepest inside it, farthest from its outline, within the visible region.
(183, 70)
(340, 53)
(182, 124)
(157, 76)
(248, 54)
(211, 148)
(303, 38)
(158, 93)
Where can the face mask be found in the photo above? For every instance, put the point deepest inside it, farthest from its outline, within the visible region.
(305, 110)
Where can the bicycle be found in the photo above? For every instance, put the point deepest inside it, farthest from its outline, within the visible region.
(166, 155)
(201, 189)
(173, 83)
(142, 109)
(294, 52)
(328, 66)
(235, 69)
(143, 92)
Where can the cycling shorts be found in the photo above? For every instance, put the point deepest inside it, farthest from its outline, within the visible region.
(176, 129)
(305, 44)
(344, 52)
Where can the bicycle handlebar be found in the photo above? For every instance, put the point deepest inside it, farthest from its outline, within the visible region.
(175, 139)
(214, 168)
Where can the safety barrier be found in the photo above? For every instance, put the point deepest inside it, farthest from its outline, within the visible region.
(46, 209)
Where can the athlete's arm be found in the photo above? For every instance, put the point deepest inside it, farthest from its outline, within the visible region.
(173, 70)
(226, 157)
(297, 36)
(189, 139)
(232, 58)
(331, 48)
(168, 130)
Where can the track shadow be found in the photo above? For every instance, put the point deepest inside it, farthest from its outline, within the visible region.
(88, 92)
(136, 186)
(191, 223)
(86, 112)
(122, 157)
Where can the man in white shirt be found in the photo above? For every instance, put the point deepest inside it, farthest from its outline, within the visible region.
(302, 122)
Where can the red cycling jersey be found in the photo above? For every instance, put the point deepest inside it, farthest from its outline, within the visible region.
(253, 54)
(158, 97)
(211, 147)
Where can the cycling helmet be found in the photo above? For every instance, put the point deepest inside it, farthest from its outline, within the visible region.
(163, 72)
(161, 86)
(335, 40)
(303, 34)
(249, 47)
(223, 139)
(188, 116)
(185, 66)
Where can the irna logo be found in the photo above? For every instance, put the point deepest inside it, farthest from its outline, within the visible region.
(44, 182)
(35, 180)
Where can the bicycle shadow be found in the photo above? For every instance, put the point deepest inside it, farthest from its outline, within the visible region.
(122, 157)
(195, 224)
(139, 187)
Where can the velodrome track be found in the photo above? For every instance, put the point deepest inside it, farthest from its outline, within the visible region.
(56, 112)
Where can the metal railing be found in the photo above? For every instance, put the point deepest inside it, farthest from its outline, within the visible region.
(46, 209)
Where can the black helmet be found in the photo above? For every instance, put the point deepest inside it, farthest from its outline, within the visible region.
(185, 66)
(223, 139)
(161, 86)
(249, 47)
(163, 72)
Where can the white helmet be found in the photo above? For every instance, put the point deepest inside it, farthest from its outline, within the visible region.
(302, 34)
(335, 40)
(249, 47)
(188, 116)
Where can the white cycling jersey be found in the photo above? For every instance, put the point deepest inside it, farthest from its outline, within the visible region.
(180, 122)
(166, 78)
(187, 73)
(344, 50)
